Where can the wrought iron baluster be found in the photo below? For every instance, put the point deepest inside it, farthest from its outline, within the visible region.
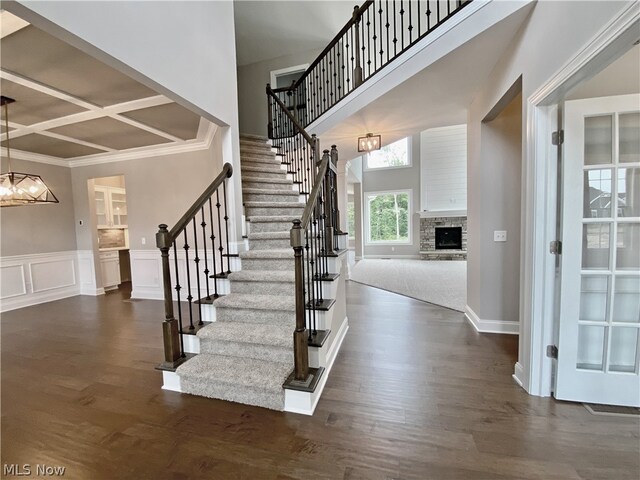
(213, 249)
(220, 248)
(395, 35)
(178, 288)
(428, 13)
(196, 260)
(226, 224)
(410, 24)
(387, 25)
(368, 44)
(401, 26)
(189, 296)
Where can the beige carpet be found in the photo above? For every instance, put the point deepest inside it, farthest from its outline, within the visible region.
(439, 282)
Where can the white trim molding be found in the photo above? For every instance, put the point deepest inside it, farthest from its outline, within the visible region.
(491, 326)
(37, 278)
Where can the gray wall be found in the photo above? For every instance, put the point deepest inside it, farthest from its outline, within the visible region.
(40, 228)
(159, 190)
(397, 179)
(252, 80)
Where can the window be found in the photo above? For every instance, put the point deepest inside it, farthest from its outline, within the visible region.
(390, 156)
(388, 217)
(351, 220)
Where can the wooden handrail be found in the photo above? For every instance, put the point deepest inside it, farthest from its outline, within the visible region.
(293, 119)
(227, 171)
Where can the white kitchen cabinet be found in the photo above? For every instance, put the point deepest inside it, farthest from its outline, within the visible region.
(110, 266)
(111, 207)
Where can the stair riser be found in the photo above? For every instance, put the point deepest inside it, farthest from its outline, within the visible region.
(269, 317)
(280, 265)
(270, 244)
(263, 288)
(269, 227)
(268, 185)
(265, 197)
(273, 211)
(256, 151)
(260, 162)
(233, 393)
(265, 175)
(248, 350)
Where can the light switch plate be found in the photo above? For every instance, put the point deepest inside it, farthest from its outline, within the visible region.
(500, 236)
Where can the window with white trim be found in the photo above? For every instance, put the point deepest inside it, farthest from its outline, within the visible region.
(394, 155)
(388, 217)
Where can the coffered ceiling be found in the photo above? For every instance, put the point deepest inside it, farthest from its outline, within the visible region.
(71, 109)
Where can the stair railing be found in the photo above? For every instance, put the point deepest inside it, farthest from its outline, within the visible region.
(313, 236)
(205, 263)
(378, 32)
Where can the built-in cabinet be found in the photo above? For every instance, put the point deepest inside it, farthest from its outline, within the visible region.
(111, 207)
(110, 266)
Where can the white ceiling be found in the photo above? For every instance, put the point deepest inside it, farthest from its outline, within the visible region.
(268, 29)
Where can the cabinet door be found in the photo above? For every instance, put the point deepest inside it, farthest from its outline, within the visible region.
(102, 207)
(118, 208)
(110, 273)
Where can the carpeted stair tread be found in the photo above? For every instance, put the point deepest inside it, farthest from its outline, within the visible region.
(250, 179)
(276, 204)
(254, 137)
(246, 301)
(263, 276)
(268, 254)
(271, 335)
(266, 191)
(234, 371)
(273, 218)
(284, 235)
(260, 169)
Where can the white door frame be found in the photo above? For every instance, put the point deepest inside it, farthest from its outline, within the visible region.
(534, 371)
(283, 71)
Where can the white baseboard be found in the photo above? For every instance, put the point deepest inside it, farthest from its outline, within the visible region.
(325, 356)
(27, 280)
(171, 381)
(491, 326)
(305, 403)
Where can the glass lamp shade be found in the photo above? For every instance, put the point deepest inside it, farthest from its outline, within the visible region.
(369, 143)
(24, 189)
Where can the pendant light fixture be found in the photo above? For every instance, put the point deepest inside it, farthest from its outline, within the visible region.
(20, 188)
(369, 143)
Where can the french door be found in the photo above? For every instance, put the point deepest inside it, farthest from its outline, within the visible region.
(599, 330)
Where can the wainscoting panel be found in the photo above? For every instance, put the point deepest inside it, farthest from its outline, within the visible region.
(87, 273)
(38, 278)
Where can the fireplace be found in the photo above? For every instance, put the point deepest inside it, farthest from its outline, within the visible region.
(448, 238)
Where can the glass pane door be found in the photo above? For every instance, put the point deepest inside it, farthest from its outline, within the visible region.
(119, 208)
(101, 207)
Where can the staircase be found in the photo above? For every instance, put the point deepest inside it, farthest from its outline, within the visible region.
(247, 353)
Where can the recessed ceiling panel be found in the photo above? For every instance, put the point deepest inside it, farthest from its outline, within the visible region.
(34, 54)
(31, 106)
(110, 133)
(50, 146)
(170, 118)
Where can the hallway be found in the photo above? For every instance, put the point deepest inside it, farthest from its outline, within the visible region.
(415, 393)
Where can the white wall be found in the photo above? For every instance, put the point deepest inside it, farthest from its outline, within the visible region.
(443, 161)
(554, 33)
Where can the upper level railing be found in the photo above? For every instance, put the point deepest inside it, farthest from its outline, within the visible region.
(199, 245)
(378, 32)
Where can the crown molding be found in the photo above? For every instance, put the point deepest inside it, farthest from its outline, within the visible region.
(203, 143)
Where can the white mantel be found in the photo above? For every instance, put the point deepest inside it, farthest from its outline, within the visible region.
(442, 213)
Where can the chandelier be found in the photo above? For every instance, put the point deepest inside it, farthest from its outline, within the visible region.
(21, 188)
(369, 143)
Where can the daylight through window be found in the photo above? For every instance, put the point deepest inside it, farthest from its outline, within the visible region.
(389, 156)
(388, 217)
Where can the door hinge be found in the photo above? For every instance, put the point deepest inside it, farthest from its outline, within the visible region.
(555, 247)
(557, 138)
(552, 351)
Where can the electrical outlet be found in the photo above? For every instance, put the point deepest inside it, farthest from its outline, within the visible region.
(500, 236)
(81, 222)
(143, 240)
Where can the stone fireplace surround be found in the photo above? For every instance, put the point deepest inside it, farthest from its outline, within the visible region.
(429, 220)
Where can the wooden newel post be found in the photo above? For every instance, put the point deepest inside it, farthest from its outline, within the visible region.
(300, 336)
(170, 326)
(357, 71)
(334, 160)
(269, 113)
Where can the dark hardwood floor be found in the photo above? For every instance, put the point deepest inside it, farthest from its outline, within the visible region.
(415, 394)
